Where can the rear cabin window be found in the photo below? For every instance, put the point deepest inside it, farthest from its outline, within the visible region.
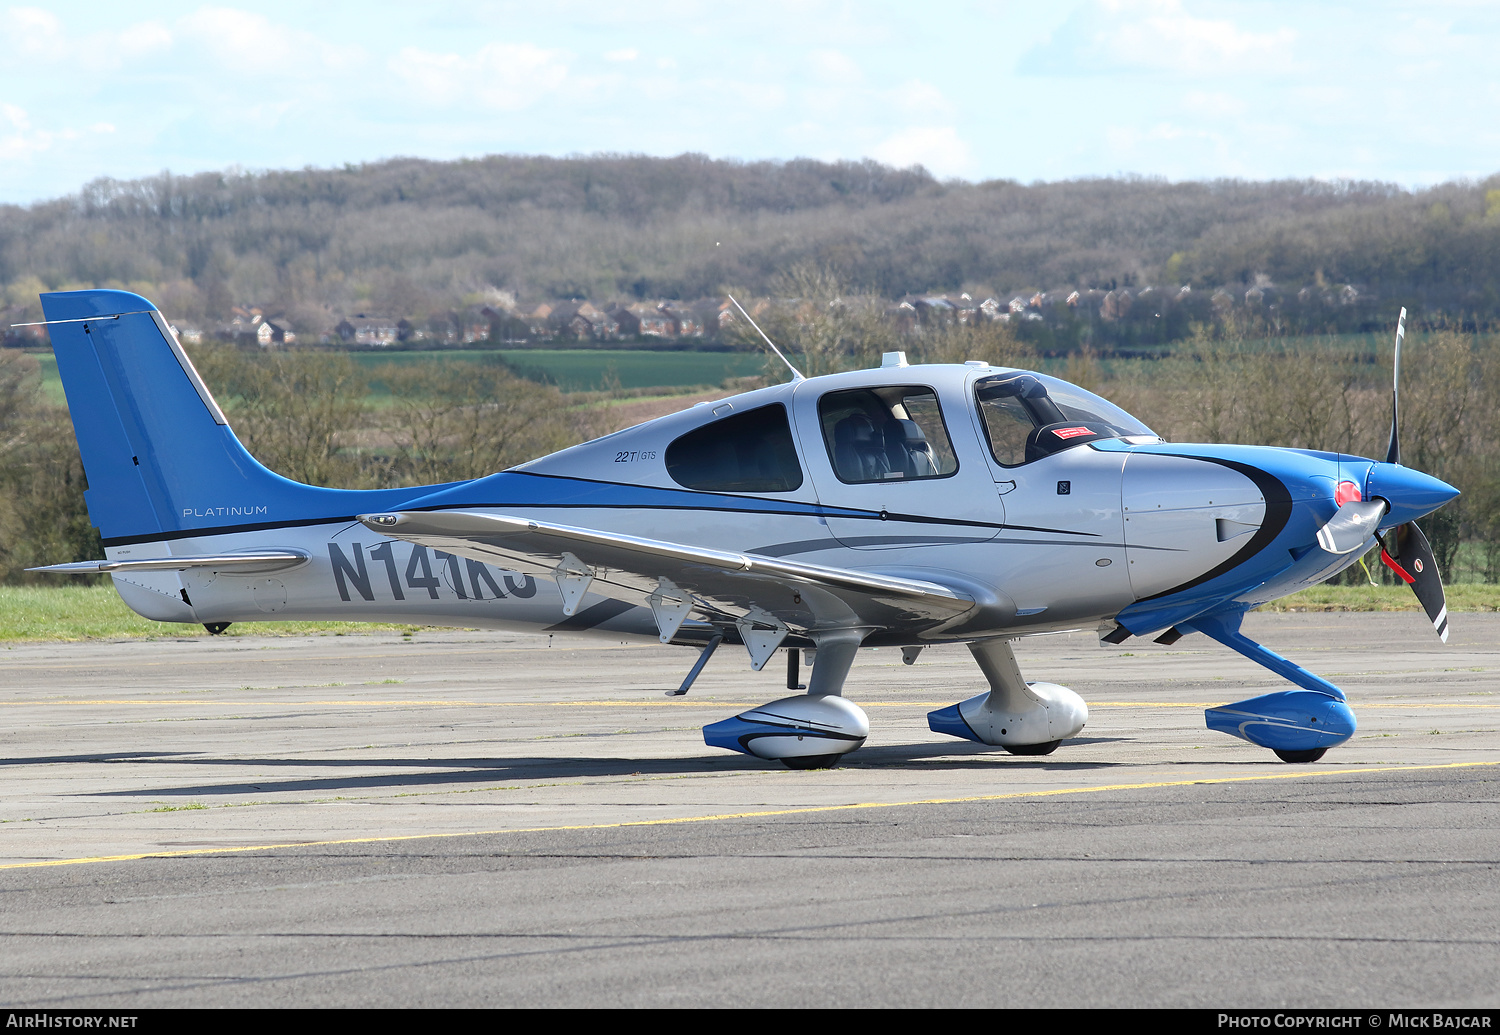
(748, 452)
(886, 434)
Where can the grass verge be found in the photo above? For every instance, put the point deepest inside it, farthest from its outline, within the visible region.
(1463, 596)
(97, 613)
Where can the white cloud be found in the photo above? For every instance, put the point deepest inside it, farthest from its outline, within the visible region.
(31, 32)
(1115, 36)
(939, 148)
(1213, 105)
(920, 98)
(832, 66)
(507, 76)
(143, 39)
(1183, 88)
(251, 43)
(24, 141)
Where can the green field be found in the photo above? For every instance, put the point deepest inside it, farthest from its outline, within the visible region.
(572, 370)
(588, 370)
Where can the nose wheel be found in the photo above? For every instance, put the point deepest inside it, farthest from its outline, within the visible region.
(1033, 749)
(1310, 755)
(813, 762)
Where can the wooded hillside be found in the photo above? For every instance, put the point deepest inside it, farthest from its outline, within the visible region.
(408, 237)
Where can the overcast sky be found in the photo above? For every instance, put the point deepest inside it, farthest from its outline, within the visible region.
(1185, 89)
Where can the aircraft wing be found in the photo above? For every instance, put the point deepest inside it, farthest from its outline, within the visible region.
(674, 580)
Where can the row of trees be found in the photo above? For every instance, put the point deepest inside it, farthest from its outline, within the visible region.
(313, 417)
(408, 237)
(309, 416)
(1227, 383)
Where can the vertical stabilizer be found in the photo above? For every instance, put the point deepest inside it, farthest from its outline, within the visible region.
(159, 455)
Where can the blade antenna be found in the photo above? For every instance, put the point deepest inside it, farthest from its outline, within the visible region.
(796, 374)
(1393, 453)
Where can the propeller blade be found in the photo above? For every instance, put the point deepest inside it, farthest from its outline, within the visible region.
(1351, 526)
(1393, 451)
(1413, 561)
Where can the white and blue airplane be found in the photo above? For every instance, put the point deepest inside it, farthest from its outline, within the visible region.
(902, 506)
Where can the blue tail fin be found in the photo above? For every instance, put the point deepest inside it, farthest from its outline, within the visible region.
(159, 455)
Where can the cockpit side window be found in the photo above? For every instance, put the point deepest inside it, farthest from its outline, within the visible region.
(1009, 426)
(1029, 416)
(747, 452)
(886, 434)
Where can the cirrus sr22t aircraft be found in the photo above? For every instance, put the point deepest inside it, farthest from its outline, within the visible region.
(903, 506)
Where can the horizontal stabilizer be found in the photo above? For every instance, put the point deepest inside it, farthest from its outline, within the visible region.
(247, 563)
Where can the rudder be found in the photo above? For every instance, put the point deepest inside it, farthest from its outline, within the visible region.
(158, 452)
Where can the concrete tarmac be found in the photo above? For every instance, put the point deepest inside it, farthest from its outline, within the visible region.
(483, 819)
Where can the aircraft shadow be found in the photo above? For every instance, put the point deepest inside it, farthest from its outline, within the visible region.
(465, 771)
(967, 755)
(116, 756)
(454, 771)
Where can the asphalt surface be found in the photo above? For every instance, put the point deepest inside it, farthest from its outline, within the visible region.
(477, 819)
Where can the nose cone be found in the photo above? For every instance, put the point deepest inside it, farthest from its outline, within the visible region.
(1410, 493)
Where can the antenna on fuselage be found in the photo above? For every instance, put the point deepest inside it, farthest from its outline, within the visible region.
(796, 374)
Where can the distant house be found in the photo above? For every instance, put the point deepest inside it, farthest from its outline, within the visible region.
(626, 319)
(364, 329)
(537, 320)
(24, 336)
(249, 325)
(244, 325)
(499, 324)
(903, 315)
(271, 333)
(685, 322)
(965, 310)
(643, 320)
(581, 320)
(715, 314)
(934, 310)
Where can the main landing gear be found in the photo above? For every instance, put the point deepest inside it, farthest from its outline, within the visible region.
(1023, 718)
(806, 731)
(816, 729)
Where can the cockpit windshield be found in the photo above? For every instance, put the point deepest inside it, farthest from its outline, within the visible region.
(1028, 416)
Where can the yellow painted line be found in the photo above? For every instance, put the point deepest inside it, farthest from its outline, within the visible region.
(801, 811)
